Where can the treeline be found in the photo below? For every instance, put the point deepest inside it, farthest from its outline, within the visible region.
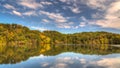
(13, 34)
(84, 37)
(101, 49)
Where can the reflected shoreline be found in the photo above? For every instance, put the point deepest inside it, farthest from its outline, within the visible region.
(13, 55)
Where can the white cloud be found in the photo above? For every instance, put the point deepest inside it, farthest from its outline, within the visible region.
(8, 6)
(60, 21)
(83, 61)
(83, 19)
(16, 13)
(69, 25)
(61, 65)
(109, 62)
(109, 23)
(30, 4)
(114, 7)
(30, 13)
(97, 15)
(65, 25)
(57, 17)
(70, 1)
(46, 3)
(95, 4)
(110, 17)
(75, 10)
(63, 0)
(45, 20)
(113, 12)
(66, 1)
(74, 7)
(82, 24)
(33, 4)
(38, 28)
(45, 64)
(41, 56)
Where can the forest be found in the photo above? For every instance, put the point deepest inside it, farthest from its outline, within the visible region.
(15, 35)
(83, 38)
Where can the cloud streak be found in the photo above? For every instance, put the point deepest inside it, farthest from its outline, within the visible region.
(30, 4)
(38, 28)
(17, 13)
(33, 4)
(8, 6)
(57, 17)
(30, 13)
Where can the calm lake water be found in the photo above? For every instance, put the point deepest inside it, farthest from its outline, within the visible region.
(64, 57)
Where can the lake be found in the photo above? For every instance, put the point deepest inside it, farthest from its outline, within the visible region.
(62, 56)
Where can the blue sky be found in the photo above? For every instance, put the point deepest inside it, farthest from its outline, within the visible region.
(66, 16)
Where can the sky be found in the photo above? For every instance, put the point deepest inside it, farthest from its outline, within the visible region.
(66, 16)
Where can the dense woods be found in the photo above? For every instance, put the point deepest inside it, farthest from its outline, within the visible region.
(13, 34)
(84, 37)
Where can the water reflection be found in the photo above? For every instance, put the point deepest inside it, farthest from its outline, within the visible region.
(62, 56)
(69, 60)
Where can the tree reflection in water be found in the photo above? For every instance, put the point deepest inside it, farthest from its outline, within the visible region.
(12, 55)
